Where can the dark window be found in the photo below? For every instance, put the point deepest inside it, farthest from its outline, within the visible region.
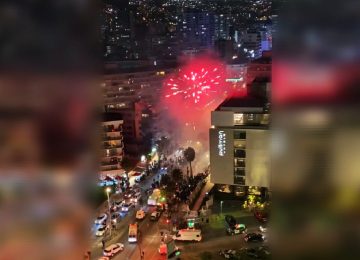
(239, 153)
(239, 180)
(239, 172)
(239, 135)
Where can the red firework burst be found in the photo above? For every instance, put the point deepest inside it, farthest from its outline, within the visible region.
(199, 83)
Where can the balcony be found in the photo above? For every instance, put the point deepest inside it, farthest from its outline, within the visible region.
(111, 128)
(112, 153)
(112, 161)
(239, 163)
(110, 138)
(113, 146)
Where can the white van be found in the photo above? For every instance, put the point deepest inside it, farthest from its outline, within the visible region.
(188, 235)
(154, 197)
(133, 233)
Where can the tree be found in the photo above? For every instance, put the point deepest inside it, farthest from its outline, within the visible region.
(176, 175)
(189, 154)
(165, 180)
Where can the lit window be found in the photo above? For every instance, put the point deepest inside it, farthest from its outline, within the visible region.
(250, 117)
(238, 119)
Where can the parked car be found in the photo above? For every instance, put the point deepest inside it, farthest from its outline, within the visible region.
(264, 250)
(261, 216)
(104, 258)
(129, 194)
(140, 214)
(101, 219)
(101, 231)
(127, 206)
(115, 217)
(228, 253)
(113, 249)
(252, 252)
(263, 228)
(135, 198)
(119, 203)
(155, 215)
(254, 237)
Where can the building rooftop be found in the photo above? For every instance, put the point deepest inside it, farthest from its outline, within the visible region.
(134, 66)
(262, 60)
(111, 116)
(247, 101)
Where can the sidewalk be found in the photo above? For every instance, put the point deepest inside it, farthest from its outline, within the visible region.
(207, 187)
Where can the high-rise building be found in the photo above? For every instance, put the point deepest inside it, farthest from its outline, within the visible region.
(113, 146)
(122, 87)
(118, 33)
(137, 127)
(251, 43)
(222, 26)
(266, 38)
(197, 30)
(240, 142)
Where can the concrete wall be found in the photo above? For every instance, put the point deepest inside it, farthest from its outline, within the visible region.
(257, 158)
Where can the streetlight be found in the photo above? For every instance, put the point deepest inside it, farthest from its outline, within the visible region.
(221, 203)
(108, 190)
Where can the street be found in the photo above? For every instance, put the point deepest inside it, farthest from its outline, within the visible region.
(149, 230)
(214, 235)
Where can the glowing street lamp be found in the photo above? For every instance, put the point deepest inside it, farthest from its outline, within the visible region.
(108, 190)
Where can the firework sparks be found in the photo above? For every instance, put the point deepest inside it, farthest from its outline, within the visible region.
(196, 84)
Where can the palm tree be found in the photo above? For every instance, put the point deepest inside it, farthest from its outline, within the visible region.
(189, 155)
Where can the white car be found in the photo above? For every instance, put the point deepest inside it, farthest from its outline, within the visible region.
(127, 206)
(140, 214)
(129, 194)
(115, 218)
(263, 229)
(119, 203)
(101, 231)
(113, 249)
(136, 197)
(101, 219)
(155, 215)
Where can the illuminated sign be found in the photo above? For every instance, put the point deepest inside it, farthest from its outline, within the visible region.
(221, 143)
(234, 80)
